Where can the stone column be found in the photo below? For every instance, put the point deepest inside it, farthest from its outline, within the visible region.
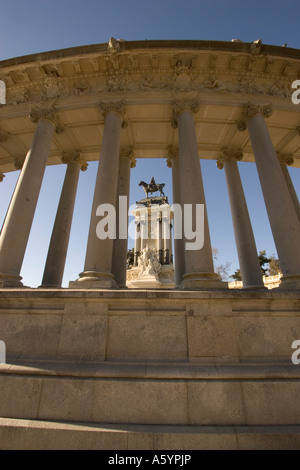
(137, 241)
(284, 161)
(283, 218)
(56, 258)
(160, 246)
(98, 262)
(127, 161)
(245, 242)
(199, 268)
(173, 162)
(143, 229)
(18, 221)
(166, 236)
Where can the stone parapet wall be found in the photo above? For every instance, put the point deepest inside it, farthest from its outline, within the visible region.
(137, 325)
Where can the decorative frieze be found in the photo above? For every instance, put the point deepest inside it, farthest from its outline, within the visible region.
(237, 154)
(76, 157)
(49, 114)
(250, 111)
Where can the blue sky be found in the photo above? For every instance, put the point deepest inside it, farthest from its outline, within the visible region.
(31, 26)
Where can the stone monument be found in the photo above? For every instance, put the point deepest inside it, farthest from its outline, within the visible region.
(152, 265)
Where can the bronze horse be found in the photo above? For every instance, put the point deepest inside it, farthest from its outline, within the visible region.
(152, 187)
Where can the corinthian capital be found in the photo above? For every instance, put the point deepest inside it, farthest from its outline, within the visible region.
(75, 157)
(127, 152)
(113, 106)
(237, 154)
(250, 111)
(186, 105)
(49, 114)
(2, 176)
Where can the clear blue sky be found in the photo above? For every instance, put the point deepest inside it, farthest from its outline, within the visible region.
(30, 26)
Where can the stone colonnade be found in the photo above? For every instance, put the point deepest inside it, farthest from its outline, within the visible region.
(105, 262)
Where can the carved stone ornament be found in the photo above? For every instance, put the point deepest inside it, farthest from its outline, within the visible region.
(2, 176)
(172, 154)
(186, 105)
(49, 114)
(286, 159)
(127, 152)
(113, 46)
(148, 262)
(19, 162)
(117, 107)
(250, 111)
(255, 47)
(76, 157)
(227, 154)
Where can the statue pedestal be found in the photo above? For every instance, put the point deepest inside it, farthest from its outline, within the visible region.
(153, 265)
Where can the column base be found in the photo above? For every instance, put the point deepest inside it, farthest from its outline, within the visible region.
(290, 282)
(201, 281)
(10, 280)
(94, 280)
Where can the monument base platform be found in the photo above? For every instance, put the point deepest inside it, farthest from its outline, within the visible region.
(155, 369)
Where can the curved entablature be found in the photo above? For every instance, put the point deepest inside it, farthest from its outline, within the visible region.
(149, 77)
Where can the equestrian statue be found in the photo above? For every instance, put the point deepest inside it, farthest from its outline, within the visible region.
(152, 187)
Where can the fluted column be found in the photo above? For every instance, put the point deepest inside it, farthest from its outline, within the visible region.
(127, 161)
(18, 221)
(283, 218)
(245, 242)
(173, 162)
(98, 262)
(199, 268)
(56, 258)
(284, 161)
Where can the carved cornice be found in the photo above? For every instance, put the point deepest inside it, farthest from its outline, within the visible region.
(113, 106)
(237, 154)
(250, 111)
(173, 153)
(76, 157)
(127, 152)
(49, 114)
(2, 176)
(285, 159)
(3, 135)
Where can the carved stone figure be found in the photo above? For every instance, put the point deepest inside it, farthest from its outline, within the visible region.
(148, 261)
